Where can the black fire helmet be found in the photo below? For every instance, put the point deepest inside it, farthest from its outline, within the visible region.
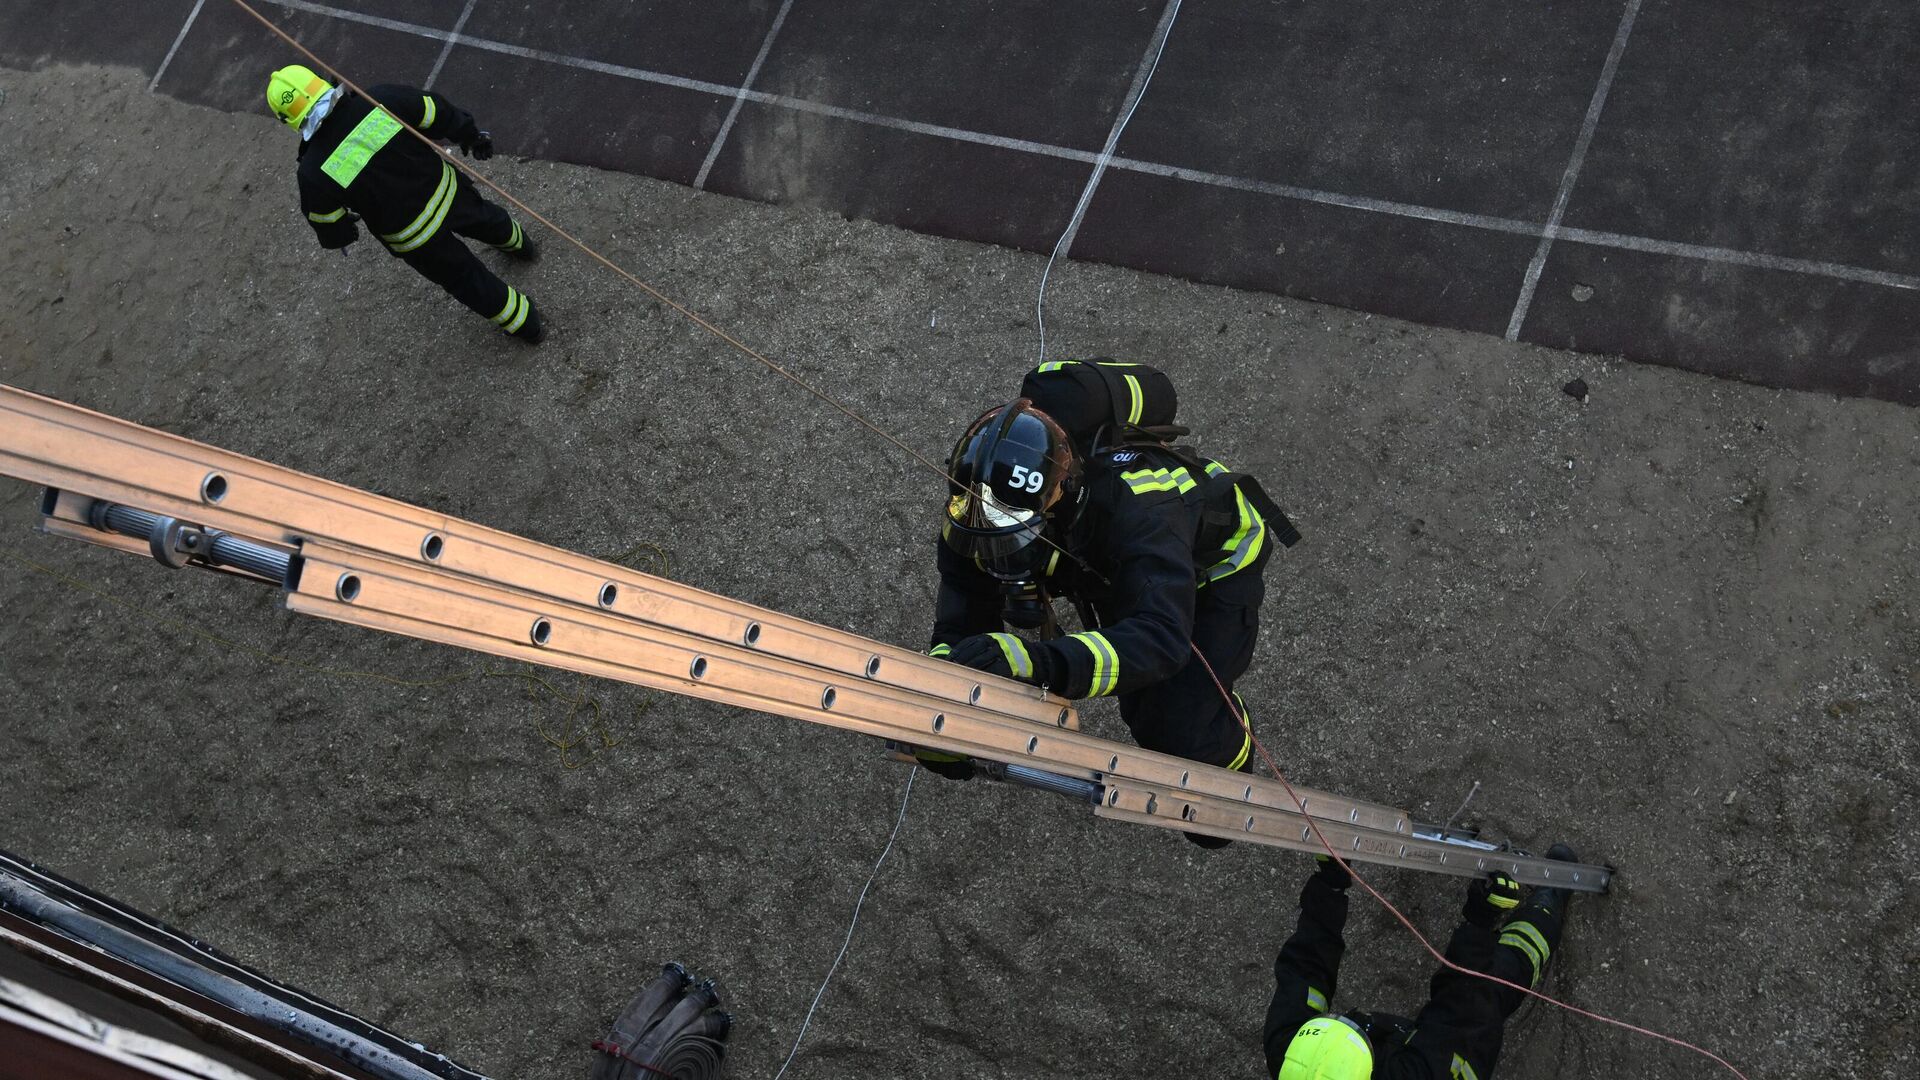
(1012, 472)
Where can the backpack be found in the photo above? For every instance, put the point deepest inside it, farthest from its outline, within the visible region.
(1105, 404)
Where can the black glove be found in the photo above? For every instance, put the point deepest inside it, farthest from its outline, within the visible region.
(338, 234)
(1331, 873)
(951, 766)
(1005, 654)
(480, 147)
(1490, 899)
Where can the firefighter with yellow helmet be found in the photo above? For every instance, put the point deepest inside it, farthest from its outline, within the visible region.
(1457, 1034)
(357, 163)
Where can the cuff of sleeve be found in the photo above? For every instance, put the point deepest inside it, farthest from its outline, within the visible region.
(1050, 668)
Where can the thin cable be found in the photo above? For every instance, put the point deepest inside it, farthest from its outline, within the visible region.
(467, 168)
(1164, 31)
(1404, 921)
(897, 822)
(776, 368)
(1040, 301)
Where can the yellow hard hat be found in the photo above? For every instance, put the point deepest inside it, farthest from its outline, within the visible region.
(1327, 1048)
(292, 90)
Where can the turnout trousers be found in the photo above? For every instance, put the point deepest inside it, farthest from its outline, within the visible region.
(446, 262)
(1187, 715)
(1527, 941)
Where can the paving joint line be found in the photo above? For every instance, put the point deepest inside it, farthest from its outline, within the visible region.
(1142, 76)
(177, 39)
(740, 99)
(1467, 219)
(1572, 175)
(452, 40)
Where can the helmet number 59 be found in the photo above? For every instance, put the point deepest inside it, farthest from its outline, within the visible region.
(1027, 479)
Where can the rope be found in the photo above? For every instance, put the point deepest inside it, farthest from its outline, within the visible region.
(1404, 921)
(897, 822)
(663, 298)
(588, 250)
(1099, 169)
(829, 400)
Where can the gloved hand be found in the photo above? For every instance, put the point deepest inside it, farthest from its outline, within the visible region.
(339, 234)
(1332, 873)
(1490, 899)
(480, 147)
(1005, 654)
(951, 766)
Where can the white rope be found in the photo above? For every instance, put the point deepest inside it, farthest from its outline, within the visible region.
(1099, 169)
(897, 822)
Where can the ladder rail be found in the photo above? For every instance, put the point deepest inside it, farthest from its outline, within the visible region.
(376, 562)
(69, 448)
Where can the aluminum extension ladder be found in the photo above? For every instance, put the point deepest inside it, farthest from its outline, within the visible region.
(354, 557)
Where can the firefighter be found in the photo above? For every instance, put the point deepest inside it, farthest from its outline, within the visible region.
(357, 163)
(1457, 1034)
(1161, 551)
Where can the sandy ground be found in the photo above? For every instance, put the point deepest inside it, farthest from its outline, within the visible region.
(1677, 625)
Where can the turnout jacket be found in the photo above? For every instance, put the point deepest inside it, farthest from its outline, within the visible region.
(360, 161)
(1154, 538)
(1460, 1011)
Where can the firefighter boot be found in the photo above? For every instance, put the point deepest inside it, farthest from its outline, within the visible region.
(1549, 901)
(533, 330)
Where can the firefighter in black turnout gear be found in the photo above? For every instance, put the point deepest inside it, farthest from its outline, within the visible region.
(1458, 1033)
(1077, 491)
(356, 162)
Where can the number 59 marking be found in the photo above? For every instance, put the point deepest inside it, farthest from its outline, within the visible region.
(1027, 479)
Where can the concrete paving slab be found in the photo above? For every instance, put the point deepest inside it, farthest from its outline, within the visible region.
(916, 181)
(1047, 72)
(1422, 102)
(695, 39)
(1422, 270)
(225, 58)
(624, 124)
(34, 34)
(1748, 323)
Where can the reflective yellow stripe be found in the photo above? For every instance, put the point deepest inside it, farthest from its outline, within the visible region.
(426, 119)
(422, 228)
(1461, 1070)
(1144, 481)
(1106, 663)
(514, 315)
(1054, 365)
(1534, 959)
(1246, 745)
(1133, 387)
(1316, 1000)
(513, 241)
(513, 301)
(1533, 934)
(327, 219)
(367, 137)
(1244, 545)
(940, 650)
(1015, 651)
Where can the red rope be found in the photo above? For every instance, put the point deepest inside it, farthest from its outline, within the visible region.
(1395, 912)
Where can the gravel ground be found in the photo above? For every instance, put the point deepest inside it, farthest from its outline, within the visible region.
(1676, 624)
